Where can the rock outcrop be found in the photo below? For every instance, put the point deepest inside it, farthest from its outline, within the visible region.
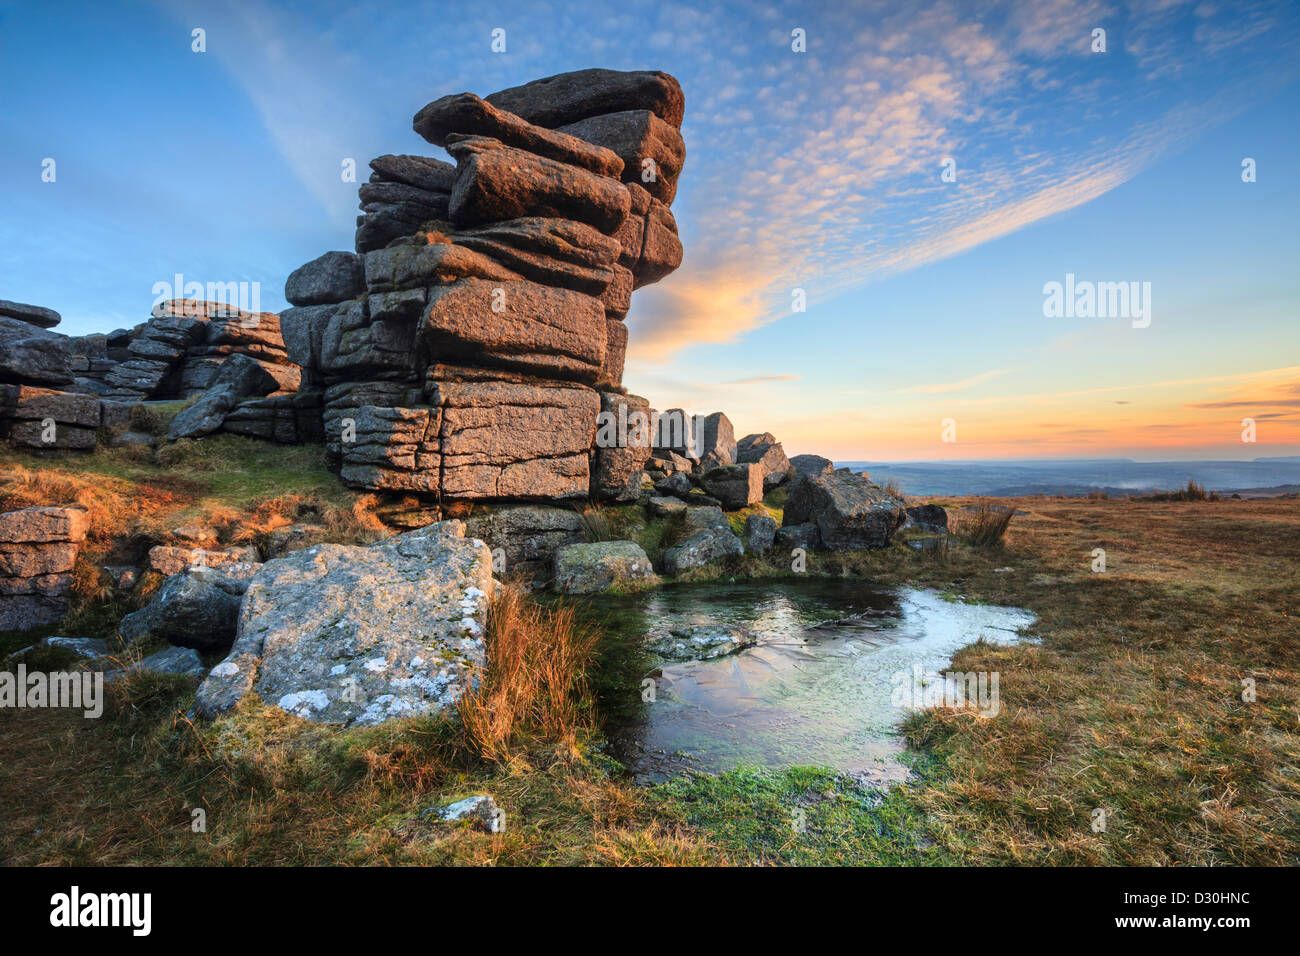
(38, 550)
(360, 635)
(468, 346)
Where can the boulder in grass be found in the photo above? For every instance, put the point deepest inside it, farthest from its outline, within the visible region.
(197, 608)
(240, 377)
(710, 539)
(603, 566)
(850, 512)
(361, 635)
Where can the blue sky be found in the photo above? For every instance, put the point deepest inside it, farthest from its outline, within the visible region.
(818, 171)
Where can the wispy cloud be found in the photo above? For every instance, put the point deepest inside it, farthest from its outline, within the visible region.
(979, 379)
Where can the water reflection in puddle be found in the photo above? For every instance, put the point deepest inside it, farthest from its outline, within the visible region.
(816, 689)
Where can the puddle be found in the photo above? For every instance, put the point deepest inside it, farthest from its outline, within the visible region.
(817, 688)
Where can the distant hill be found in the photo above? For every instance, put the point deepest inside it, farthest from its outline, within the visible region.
(1077, 478)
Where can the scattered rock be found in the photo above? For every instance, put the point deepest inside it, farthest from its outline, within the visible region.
(711, 539)
(184, 661)
(849, 510)
(481, 809)
(603, 566)
(928, 518)
(736, 486)
(805, 536)
(699, 642)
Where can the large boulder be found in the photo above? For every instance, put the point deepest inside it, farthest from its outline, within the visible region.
(31, 314)
(361, 635)
(736, 486)
(850, 512)
(811, 465)
(29, 355)
(496, 182)
(719, 442)
(558, 252)
(467, 114)
(766, 454)
(710, 539)
(330, 278)
(603, 566)
(197, 608)
(239, 377)
(569, 97)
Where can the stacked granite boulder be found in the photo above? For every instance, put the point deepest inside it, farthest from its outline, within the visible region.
(468, 346)
(40, 405)
(181, 349)
(38, 550)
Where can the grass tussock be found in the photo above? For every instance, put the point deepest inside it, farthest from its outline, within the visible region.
(595, 525)
(1193, 492)
(534, 688)
(985, 526)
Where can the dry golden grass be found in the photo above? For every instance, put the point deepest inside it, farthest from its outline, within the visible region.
(534, 687)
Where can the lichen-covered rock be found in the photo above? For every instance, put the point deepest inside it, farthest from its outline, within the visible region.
(603, 566)
(760, 532)
(698, 642)
(361, 635)
(711, 539)
(525, 537)
(849, 511)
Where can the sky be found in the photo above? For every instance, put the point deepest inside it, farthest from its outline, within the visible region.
(915, 178)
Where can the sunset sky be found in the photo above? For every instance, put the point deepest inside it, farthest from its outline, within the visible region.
(818, 171)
